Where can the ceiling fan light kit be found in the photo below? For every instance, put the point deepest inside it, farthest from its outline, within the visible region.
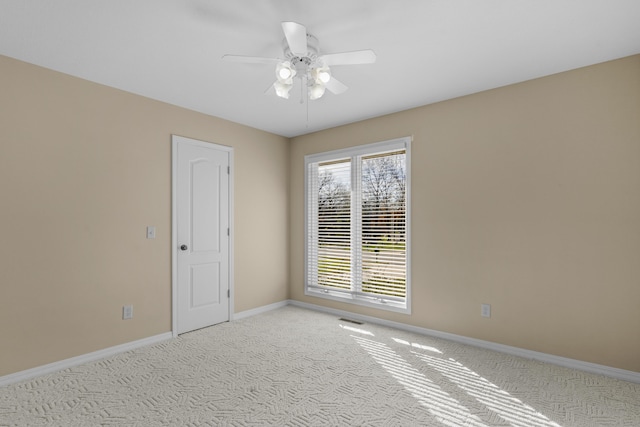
(302, 60)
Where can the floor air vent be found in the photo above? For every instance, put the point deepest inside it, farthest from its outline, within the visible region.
(350, 321)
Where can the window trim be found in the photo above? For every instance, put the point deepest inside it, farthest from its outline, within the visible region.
(352, 297)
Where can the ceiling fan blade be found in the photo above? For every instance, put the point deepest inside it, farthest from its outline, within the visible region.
(349, 58)
(296, 35)
(250, 59)
(271, 90)
(335, 86)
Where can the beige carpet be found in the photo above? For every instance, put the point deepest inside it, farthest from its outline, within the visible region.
(294, 367)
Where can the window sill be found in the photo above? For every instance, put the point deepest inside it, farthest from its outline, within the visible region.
(381, 304)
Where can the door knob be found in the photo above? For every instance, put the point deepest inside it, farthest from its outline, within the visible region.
(183, 248)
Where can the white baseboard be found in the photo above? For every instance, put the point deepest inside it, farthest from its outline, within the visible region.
(260, 310)
(593, 368)
(529, 354)
(79, 360)
(101, 354)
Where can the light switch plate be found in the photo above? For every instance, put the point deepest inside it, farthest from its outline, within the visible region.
(151, 232)
(127, 312)
(485, 310)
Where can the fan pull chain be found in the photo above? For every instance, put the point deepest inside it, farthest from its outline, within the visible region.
(307, 114)
(303, 86)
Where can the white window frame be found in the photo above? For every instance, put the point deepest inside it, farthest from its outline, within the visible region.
(353, 153)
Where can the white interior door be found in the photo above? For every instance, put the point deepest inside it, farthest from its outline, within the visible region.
(201, 235)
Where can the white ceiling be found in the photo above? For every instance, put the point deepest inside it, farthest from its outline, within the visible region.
(428, 50)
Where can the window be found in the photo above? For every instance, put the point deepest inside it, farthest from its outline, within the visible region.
(357, 225)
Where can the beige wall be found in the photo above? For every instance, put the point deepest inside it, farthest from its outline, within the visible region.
(83, 170)
(526, 197)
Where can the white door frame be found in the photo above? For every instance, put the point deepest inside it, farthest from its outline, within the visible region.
(175, 140)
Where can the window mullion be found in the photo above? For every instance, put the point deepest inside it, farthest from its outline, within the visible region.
(356, 224)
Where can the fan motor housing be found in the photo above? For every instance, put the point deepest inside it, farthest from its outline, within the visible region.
(302, 63)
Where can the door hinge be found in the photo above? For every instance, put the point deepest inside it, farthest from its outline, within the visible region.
(228, 232)
(228, 170)
(228, 293)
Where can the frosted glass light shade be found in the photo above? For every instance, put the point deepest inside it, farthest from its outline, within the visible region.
(282, 89)
(321, 75)
(285, 72)
(316, 91)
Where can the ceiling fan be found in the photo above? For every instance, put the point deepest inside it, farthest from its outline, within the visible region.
(302, 60)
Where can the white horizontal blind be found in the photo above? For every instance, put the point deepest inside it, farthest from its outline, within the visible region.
(357, 223)
(334, 224)
(383, 225)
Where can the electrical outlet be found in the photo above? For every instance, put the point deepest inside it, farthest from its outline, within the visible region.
(127, 312)
(485, 310)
